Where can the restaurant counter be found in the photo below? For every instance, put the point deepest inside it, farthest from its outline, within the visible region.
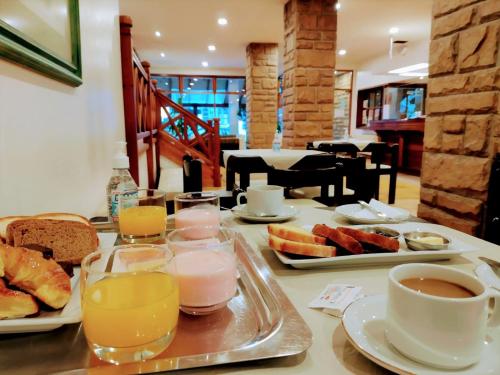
(330, 352)
(409, 135)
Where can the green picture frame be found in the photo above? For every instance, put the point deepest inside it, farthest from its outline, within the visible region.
(19, 48)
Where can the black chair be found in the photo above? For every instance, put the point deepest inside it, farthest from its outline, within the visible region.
(244, 166)
(293, 179)
(315, 161)
(380, 154)
(339, 148)
(492, 220)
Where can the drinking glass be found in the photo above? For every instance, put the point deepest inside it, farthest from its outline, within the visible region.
(142, 218)
(130, 302)
(206, 268)
(200, 209)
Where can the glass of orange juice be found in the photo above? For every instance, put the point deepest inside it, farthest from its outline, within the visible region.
(130, 302)
(142, 217)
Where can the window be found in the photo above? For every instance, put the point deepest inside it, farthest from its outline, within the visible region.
(210, 97)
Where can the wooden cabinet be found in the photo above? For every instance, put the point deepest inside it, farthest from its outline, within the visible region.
(409, 134)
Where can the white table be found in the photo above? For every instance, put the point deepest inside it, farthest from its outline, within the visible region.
(282, 159)
(358, 142)
(330, 352)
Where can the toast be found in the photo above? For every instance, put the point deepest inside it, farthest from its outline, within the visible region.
(343, 242)
(5, 221)
(372, 242)
(292, 233)
(69, 240)
(301, 248)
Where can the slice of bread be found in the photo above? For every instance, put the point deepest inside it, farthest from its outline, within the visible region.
(69, 240)
(291, 233)
(372, 242)
(342, 241)
(300, 248)
(5, 221)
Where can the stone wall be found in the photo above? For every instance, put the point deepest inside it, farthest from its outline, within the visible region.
(462, 131)
(262, 93)
(309, 62)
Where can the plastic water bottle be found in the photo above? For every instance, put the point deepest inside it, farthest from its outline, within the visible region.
(276, 143)
(120, 182)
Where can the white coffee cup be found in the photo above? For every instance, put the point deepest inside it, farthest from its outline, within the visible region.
(442, 332)
(263, 200)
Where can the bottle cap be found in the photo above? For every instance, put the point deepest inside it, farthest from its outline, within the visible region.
(120, 160)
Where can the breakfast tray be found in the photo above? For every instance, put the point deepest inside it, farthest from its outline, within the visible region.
(258, 323)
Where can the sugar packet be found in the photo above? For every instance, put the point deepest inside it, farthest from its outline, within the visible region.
(335, 298)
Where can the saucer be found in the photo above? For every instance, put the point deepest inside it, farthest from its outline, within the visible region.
(287, 212)
(364, 325)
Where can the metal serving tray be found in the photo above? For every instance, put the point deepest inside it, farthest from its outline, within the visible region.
(258, 323)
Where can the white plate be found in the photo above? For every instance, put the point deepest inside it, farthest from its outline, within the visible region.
(455, 248)
(71, 313)
(287, 213)
(349, 212)
(46, 321)
(364, 325)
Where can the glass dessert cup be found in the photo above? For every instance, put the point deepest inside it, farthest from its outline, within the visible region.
(130, 302)
(206, 268)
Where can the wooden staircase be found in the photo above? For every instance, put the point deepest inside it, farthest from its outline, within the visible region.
(163, 126)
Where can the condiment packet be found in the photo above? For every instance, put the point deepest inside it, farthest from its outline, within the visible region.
(335, 298)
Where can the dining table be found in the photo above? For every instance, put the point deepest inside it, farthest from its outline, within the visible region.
(360, 143)
(64, 350)
(280, 159)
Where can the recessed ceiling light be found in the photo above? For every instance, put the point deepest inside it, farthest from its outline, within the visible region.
(189, 88)
(162, 54)
(337, 6)
(204, 63)
(157, 33)
(191, 83)
(394, 30)
(195, 79)
(166, 83)
(409, 68)
(421, 77)
(211, 48)
(222, 21)
(342, 52)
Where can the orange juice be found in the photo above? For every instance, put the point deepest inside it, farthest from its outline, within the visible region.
(130, 310)
(142, 220)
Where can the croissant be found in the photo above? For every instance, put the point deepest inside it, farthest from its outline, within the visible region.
(15, 304)
(43, 278)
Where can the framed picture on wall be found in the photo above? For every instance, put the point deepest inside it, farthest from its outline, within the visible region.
(43, 35)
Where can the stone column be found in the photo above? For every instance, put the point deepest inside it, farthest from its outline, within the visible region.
(309, 63)
(462, 130)
(262, 93)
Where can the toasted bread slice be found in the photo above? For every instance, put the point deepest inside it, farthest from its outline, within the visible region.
(292, 233)
(372, 242)
(4, 222)
(300, 248)
(339, 239)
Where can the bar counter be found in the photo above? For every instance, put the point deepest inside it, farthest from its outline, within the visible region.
(409, 134)
(64, 350)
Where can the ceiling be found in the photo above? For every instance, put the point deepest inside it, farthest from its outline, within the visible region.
(188, 26)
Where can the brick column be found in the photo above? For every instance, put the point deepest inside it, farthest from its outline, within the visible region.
(310, 44)
(462, 130)
(262, 93)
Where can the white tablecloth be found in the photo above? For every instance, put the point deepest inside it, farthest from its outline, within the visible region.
(282, 159)
(360, 143)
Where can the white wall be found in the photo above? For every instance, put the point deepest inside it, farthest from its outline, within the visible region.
(55, 140)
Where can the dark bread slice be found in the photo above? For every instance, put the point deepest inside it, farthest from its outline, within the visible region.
(372, 242)
(342, 241)
(69, 240)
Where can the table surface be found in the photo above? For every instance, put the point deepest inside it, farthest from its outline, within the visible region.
(358, 142)
(330, 352)
(282, 159)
